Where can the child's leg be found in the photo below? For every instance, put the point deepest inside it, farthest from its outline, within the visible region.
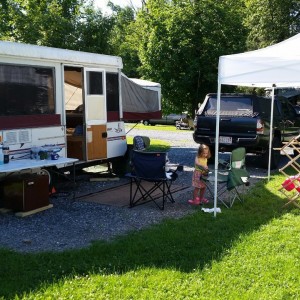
(196, 199)
(202, 192)
(196, 193)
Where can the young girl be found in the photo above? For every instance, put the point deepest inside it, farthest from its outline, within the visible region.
(201, 169)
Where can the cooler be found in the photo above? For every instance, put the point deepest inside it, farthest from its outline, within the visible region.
(25, 192)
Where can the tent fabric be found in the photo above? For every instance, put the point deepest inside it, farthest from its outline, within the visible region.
(138, 100)
(73, 78)
(277, 64)
(73, 96)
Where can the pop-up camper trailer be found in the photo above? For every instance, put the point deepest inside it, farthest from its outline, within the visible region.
(36, 87)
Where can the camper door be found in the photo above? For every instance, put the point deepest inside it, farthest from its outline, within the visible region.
(95, 113)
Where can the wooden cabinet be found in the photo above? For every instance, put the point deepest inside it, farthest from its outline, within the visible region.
(25, 193)
(96, 142)
(75, 146)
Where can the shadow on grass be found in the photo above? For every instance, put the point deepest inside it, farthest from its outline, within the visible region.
(186, 244)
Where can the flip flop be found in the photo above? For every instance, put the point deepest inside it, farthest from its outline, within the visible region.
(204, 201)
(194, 202)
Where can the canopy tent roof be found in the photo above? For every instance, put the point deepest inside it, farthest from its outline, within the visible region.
(278, 64)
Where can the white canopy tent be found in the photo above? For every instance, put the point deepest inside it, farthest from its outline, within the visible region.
(273, 66)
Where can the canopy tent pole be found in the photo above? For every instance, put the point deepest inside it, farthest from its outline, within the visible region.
(217, 148)
(271, 130)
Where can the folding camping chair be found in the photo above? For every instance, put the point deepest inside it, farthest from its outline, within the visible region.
(149, 180)
(237, 159)
(234, 176)
(141, 142)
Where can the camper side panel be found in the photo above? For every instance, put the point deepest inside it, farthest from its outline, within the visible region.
(31, 114)
(116, 139)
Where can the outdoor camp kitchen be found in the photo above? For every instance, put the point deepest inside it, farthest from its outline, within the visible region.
(62, 109)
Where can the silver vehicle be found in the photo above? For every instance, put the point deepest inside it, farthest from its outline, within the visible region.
(166, 120)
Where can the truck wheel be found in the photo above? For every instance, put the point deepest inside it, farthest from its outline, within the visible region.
(275, 155)
(145, 122)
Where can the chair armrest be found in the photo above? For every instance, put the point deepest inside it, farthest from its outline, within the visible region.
(224, 163)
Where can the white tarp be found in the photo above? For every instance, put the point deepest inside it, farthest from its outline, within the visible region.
(273, 66)
(278, 64)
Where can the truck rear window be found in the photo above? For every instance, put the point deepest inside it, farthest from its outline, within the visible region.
(233, 104)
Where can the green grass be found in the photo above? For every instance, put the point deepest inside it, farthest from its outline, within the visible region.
(155, 145)
(149, 127)
(250, 251)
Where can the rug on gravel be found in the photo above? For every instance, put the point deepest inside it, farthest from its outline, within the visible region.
(119, 196)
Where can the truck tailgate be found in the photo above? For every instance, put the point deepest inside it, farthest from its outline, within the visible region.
(233, 131)
(229, 126)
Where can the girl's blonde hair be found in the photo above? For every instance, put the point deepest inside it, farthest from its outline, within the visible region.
(201, 148)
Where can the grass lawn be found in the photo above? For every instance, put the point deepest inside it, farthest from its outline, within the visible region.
(250, 251)
(149, 127)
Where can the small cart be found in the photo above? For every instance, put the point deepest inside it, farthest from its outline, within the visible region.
(185, 124)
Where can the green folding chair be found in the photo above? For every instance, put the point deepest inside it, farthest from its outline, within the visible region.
(237, 159)
(234, 176)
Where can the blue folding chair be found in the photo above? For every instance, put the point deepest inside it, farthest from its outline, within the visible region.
(148, 179)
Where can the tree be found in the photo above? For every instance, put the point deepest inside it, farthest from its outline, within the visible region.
(180, 43)
(93, 31)
(4, 19)
(270, 22)
(43, 22)
(122, 39)
(69, 24)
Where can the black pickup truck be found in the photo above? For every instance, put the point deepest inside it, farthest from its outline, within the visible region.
(245, 122)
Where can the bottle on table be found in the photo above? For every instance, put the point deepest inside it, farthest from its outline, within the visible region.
(1, 155)
(5, 151)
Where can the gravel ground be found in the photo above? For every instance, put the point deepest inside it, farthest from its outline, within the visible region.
(74, 224)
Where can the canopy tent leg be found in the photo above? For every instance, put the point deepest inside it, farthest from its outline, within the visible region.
(271, 130)
(217, 148)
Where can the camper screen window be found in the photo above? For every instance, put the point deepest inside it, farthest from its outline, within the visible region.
(94, 86)
(26, 90)
(112, 92)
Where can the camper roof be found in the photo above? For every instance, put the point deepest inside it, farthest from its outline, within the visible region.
(12, 49)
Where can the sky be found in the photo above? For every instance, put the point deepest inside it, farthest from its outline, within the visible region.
(105, 10)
